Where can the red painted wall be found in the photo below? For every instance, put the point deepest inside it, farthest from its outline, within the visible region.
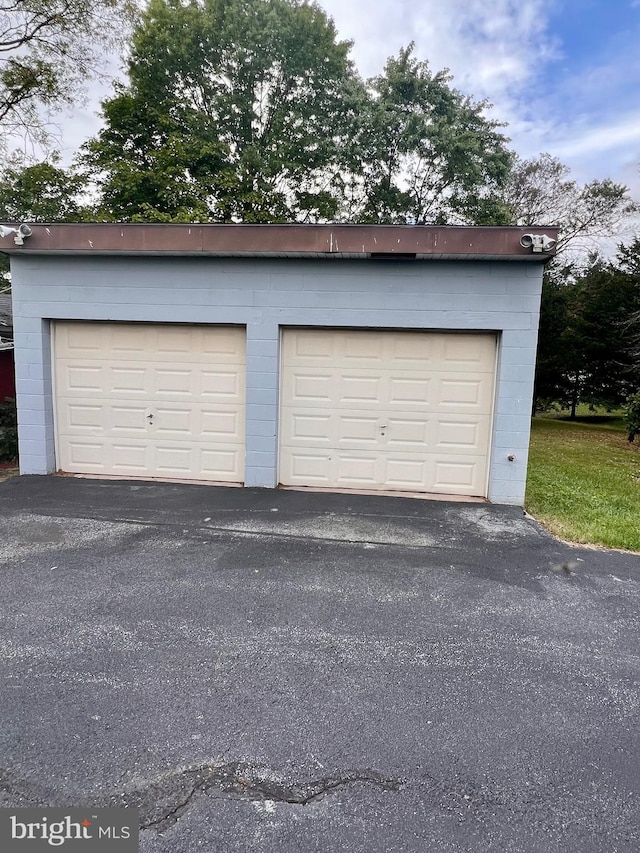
(7, 375)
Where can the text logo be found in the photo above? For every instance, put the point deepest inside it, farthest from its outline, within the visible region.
(86, 830)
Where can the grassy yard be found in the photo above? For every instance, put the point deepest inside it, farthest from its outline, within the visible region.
(584, 480)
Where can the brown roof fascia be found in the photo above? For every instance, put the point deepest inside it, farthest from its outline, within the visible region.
(383, 241)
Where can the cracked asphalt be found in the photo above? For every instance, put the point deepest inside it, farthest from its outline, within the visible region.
(262, 670)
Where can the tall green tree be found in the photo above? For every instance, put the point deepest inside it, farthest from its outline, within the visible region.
(47, 49)
(587, 347)
(236, 110)
(252, 111)
(629, 263)
(558, 359)
(426, 153)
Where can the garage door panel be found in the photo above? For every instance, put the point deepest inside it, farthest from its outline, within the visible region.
(462, 434)
(389, 389)
(78, 452)
(150, 342)
(382, 472)
(407, 433)
(174, 460)
(376, 349)
(227, 426)
(224, 386)
(357, 429)
(468, 436)
(406, 473)
(309, 387)
(305, 427)
(407, 390)
(79, 340)
(82, 417)
(468, 352)
(462, 392)
(310, 348)
(220, 462)
(386, 410)
(73, 379)
(129, 455)
(308, 468)
(127, 380)
(128, 418)
(357, 470)
(455, 476)
(123, 413)
(175, 382)
(359, 389)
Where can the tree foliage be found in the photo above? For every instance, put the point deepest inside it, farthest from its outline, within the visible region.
(252, 111)
(540, 192)
(8, 430)
(39, 192)
(587, 350)
(629, 263)
(47, 48)
(425, 153)
(236, 110)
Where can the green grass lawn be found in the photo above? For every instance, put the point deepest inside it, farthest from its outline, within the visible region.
(584, 480)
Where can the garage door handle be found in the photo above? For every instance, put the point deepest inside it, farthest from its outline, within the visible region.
(149, 417)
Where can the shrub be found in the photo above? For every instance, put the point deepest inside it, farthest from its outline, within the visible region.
(8, 431)
(632, 415)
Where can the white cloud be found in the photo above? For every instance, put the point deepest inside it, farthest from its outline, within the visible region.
(601, 139)
(491, 47)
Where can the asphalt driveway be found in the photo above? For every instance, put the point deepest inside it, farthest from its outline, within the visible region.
(281, 671)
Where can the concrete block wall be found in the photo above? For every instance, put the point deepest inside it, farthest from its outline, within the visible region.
(265, 295)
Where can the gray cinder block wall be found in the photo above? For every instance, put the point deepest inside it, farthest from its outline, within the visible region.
(265, 295)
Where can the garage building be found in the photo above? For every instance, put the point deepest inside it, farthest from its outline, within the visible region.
(372, 358)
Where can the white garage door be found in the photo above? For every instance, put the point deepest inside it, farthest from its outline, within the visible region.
(150, 400)
(378, 410)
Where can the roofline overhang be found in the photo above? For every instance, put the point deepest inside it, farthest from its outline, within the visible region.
(379, 242)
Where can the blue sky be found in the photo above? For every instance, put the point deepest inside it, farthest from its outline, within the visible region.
(564, 74)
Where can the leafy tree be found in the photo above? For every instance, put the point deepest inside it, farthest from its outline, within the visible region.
(608, 298)
(585, 351)
(425, 153)
(40, 192)
(236, 110)
(558, 361)
(629, 263)
(251, 110)
(540, 192)
(47, 48)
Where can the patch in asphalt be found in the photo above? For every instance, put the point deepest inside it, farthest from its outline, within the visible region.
(494, 526)
(27, 534)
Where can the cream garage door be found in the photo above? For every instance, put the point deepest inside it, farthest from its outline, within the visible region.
(381, 410)
(150, 400)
